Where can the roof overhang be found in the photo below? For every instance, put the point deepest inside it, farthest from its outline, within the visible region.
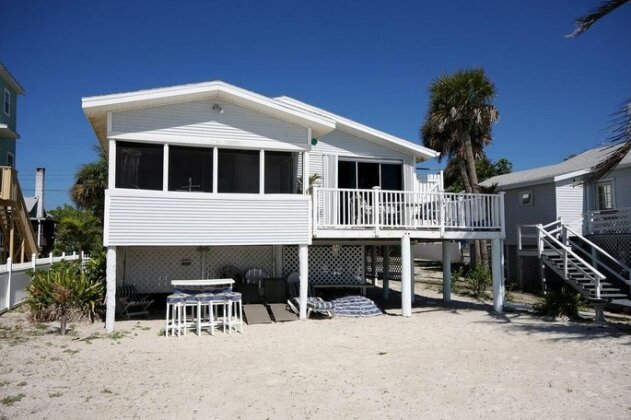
(13, 84)
(363, 131)
(571, 175)
(96, 107)
(7, 133)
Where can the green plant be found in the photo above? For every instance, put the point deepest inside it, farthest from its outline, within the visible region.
(11, 399)
(64, 292)
(560, 302)
(479, 280)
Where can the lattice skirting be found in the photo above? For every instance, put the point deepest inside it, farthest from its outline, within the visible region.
(328, 265)
(395, 260)
(619, 246)
(522, 271)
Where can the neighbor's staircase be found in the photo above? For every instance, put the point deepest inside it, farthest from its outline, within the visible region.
(19, 241)
(583, 264)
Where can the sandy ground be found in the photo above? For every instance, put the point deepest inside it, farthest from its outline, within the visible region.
(443, 362)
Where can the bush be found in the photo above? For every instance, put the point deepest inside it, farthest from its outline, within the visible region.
(479, 280)
(563, 302)
(64, 292)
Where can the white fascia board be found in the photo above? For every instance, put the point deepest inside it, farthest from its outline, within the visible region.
(361, 130)
(569, 175)
(96, 105)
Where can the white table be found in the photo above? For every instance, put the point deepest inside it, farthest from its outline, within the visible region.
(203, 282)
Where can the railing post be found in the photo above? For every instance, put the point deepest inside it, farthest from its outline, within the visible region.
(33, 261)
(598, 287)
(375, 208)
(539, 240)
(502, 215)
(441, 213)
(9, 271)
(314, 210)
(565, 262)
(63, 256)
(51, 256)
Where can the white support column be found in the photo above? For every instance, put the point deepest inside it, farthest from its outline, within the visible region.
(406, 296)
(278, 260)
(412, 276)
(386, 272)
(497, 265)
(262, 172)
(303, 262)
(111, 164)
(110, 296)
(305, 173)
(446, 271)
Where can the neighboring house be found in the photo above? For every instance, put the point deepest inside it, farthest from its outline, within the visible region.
(207, 175)
(16, 233)
(598, 211)
(43, 223)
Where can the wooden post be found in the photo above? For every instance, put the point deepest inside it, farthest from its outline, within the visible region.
(22, 246)
(406, 296)
(386, 272)
(446, 272)
(498, 274)
(303, 260)
(110, 296)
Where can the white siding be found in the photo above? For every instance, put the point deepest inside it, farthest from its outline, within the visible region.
(340, 143)
(542, 211)
(136, 218)
(622, 181)
(570, 202)
(199, 121)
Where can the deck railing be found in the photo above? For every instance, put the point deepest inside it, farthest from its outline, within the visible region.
(614, 221)
(339, 208)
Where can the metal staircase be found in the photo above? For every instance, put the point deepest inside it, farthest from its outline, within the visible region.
(589, 269)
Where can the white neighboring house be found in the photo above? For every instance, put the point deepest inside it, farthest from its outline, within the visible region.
(207, 175)
(599, 212)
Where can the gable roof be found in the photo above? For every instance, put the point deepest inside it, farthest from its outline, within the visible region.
(574, 167)
(363, 131)
(10, 80)
(321, 122)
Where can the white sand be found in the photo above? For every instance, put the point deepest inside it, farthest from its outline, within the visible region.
(441, 363)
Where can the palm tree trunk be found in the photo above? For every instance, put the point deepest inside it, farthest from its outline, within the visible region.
(463, 174)
(470, 158)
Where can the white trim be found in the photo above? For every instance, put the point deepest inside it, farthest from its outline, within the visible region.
(604, 181)
(127, 192)
(12, 164)
(111, 168)
(262, 172)
(165, 167)
(215, 169)
(7, 95)
(569, 175)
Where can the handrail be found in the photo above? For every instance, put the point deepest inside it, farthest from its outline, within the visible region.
(572, 253)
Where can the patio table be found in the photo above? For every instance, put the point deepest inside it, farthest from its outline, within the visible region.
(203, 282)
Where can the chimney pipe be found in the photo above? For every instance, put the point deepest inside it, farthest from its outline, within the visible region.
(39, 191)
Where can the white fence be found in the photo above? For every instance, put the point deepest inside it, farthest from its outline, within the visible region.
(614, 221)
(14, 278)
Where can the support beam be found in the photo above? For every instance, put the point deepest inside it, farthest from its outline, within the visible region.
(303, 262)
(412, 276)
(497, 266)
(406, 280)
(110, 296)
(386, 272)
(446, 271)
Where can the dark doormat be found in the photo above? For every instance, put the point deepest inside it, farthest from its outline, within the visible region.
(256, 314)
(281, 312)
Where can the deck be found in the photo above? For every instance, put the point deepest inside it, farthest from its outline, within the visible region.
(376, 213)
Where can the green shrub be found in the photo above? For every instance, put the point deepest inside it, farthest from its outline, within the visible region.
(479, 280)
(64, 292)
(561, 302)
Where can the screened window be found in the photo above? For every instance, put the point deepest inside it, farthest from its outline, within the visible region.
(7, 102)
(238, 171)
(279, 173)
(190, 169)
(366, 175)
(139, 165)
(346, 174)
(391, 177)
(604, 196)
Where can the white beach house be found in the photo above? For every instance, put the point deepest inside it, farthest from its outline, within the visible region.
(207, 175)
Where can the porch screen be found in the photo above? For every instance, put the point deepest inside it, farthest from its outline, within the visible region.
(238, 171)
(139, 165)
(190, 169)
(279, 169)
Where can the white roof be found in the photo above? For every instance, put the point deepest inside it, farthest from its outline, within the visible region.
(573, 167)
(321, 122)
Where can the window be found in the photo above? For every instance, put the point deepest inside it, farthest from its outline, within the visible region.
(526, 198)
(366, 175)
(139, 165)
(10, 159)
(238, 171)
(190, 169)
(604, 195)
(7, 102)
(279, 173)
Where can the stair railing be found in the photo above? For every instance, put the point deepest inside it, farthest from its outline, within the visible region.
(564, 251)
(597, 251)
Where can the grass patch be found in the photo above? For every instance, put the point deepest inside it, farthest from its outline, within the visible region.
(55, 394)
(70, 351)
(107, 391)
(12, 399)
(23, 383)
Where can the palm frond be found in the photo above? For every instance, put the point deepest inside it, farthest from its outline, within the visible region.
(583, 23)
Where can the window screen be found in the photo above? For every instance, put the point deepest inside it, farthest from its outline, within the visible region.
(346, 174)
(604, 196)
(190, 169)
(391, 177)
(238, 171)
(139, 165)
(279, 170)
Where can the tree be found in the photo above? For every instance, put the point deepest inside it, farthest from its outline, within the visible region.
(620, 130)
(78, 230)
(485, 168)
(459, 119)
(88, 191)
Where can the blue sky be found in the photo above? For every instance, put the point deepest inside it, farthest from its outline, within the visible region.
(371, 61)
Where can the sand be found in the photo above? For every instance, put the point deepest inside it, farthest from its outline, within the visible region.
(443, 362)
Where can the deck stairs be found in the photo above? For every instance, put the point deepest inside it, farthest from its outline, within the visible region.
(18, 238)
(589, 269)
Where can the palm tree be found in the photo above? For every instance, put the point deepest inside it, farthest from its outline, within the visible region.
(620, 130)
(459, 119)
(88, 191)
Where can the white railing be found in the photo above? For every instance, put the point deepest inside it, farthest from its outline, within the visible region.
(608, 221)
(570, 259)
(14, 278)
(338, 208)
(429, 182)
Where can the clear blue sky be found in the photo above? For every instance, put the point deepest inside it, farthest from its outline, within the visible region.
(370, 61)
